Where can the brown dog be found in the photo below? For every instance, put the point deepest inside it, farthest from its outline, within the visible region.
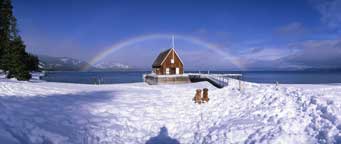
(197, 97)
(205, 95)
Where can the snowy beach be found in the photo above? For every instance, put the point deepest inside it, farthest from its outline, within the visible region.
(61, 113)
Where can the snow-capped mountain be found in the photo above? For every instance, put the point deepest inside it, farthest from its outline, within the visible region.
(70, 64)
(61, 63)
(111, 66)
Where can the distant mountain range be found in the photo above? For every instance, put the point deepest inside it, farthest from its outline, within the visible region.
(111, 66)
(323, 69)
(50, 63)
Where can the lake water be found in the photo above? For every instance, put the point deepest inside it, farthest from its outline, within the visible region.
(136, 76)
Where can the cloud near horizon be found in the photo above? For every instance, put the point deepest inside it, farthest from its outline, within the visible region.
(317, 53)
(300, 55)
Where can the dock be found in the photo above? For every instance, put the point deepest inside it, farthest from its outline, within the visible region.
(218, 80)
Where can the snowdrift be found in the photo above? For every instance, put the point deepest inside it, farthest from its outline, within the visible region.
(59, 113)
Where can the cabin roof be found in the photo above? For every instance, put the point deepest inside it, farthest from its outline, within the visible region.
(158, 61)
(162, 57)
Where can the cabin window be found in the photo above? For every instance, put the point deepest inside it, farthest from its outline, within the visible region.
(172, 61)
(167, 71)
(177, 70)
(156, 70)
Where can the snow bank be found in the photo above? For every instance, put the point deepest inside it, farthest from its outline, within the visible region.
(43, 112)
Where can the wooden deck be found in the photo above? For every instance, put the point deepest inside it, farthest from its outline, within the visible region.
(218, 80)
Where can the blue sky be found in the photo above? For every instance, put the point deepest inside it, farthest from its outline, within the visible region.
(243, 34)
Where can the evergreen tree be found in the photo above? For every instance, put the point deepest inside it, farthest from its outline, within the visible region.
(17, 61)
(13, 57)
(32, 62)
(5, 27)
(2, 40)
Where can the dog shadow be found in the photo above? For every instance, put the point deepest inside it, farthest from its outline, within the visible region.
(162, 138)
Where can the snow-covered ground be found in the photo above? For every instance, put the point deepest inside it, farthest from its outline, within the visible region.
(60, 113)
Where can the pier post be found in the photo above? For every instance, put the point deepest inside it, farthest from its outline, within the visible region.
(240, 87)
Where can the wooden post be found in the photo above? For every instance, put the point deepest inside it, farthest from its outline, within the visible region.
(240, 87)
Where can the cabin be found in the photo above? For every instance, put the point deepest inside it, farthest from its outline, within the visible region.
(168, 62)
(168, 68)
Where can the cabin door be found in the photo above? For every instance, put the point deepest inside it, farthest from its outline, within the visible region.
(167, 71)
(177, 70)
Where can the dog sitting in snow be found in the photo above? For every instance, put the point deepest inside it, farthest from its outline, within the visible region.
(197, 98)
(205, 95)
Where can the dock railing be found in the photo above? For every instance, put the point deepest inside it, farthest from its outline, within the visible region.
(218, 80)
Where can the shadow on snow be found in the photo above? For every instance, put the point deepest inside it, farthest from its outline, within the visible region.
(67, 115)
(162, 138)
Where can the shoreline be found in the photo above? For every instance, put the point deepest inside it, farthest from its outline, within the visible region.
(267, 78)
(36, 78)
